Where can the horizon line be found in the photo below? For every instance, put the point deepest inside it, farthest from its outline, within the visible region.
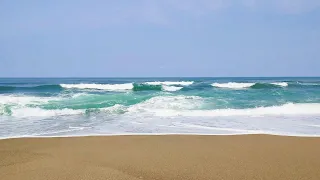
(166, 77)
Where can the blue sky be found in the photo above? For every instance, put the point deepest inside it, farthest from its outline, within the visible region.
(104, 38)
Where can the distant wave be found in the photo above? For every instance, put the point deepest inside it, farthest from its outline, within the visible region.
(308, 83)
(41, 87)
(235, 85)
(106, 87)
(269, 85)
(170, 83)
(283, 84)
(110, 87)
(159, 86)
(171, 88)
(128, 86)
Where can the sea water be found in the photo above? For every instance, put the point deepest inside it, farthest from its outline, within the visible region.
(44, 107)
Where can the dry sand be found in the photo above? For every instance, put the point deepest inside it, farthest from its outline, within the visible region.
(161, 157)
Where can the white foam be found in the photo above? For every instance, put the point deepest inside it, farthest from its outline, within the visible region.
(38, 112)
(233, 85)
(22, 100)
(171, 88)
(170, 83)
(283, 84)
(114, 109)
(29, 112)
(283, 110)
(19, 105)
(167, 103)
(308, 84)
(166, 114)
(108, 87)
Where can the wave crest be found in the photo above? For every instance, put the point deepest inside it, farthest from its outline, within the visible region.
(171, 88)
(159, 106)
(170, 83)
(235, 85)
(110, 87)
(123, 87)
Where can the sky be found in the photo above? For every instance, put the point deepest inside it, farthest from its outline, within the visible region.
(159, 38)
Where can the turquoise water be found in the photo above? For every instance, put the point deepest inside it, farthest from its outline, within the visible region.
(104, 106)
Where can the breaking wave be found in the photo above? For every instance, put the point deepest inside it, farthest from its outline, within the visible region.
(28, 106)
(124, 87)
(109, 87)
(234, 85)
(171, 88)
(157, 86)
(170, 83)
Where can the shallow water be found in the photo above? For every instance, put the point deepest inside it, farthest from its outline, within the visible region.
(101, 106)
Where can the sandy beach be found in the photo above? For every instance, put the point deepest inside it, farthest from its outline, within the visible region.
(160, 157)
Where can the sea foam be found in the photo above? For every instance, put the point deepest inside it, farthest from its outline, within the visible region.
(169, 83)
(236, 85)
(110, 87)
(282, 110)
(164, 86)
(233, 85)
(171, 88)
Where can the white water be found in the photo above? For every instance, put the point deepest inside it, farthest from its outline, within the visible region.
(171, 88)
(38, 112)
(283, 110)
(235, 85)
(23, 100)
(109, 87)
(21, 106)
(283, 84)
(157, 115)
(170, 83)
(166, 86)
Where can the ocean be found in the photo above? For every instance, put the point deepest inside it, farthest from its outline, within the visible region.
(49, 107)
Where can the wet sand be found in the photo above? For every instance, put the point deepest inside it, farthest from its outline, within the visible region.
(161, 157)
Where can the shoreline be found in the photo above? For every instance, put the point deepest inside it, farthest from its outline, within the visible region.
(161, 157)
(156, 134)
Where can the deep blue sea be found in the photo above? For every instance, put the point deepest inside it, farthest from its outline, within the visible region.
(48, 107)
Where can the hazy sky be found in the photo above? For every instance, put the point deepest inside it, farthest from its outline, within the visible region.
(45, 38)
